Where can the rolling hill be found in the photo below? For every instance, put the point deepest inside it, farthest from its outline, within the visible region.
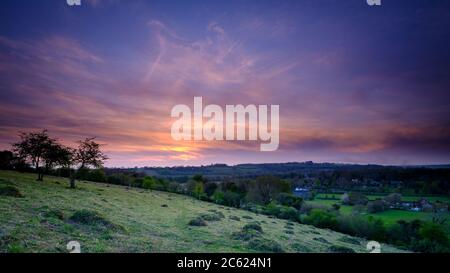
(45, 216)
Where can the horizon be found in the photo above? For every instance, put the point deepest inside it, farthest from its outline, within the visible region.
(356, 84)
(291, 162)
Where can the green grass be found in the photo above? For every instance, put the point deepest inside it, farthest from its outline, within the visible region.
(389, 217)
(432, 198)
(107, 218)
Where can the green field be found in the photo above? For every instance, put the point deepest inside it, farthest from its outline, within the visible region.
(389, 217)
(379, 196)
(136, 220)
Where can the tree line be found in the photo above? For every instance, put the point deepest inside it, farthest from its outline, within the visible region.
(44, 153)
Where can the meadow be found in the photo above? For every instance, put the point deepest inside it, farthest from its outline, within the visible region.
(44, 216)
(390, 216)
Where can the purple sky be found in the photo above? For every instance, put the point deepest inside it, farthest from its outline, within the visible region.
(355, 83)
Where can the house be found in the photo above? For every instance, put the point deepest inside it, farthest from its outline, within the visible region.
(302, 192)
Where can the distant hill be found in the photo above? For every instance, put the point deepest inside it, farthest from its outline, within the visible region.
(219, 171)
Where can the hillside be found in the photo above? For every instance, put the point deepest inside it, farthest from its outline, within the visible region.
(107, 218)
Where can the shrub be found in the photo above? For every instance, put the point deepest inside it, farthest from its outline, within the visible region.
(370, 228)
(307, 207)
(282, 212)
(336, 206)
(245, 235)
(197, 222)
(54, 213)
(354, 198)
(320, 239)
(253, 226)
(376, 206)
(289, 200)
(301, 248)
(96, 175)
(340, 249)
(233, 217)
(350, 240)
(393, 198)
(10, 191)
(427, 246)
(149, 183)
(321, 219)
(211, 217)
(93, 218)
(265, 245)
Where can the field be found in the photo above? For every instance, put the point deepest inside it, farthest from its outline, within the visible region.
(389, 217)
(136, 220)
(378, 196)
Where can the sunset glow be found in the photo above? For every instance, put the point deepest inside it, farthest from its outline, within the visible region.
(348, 88)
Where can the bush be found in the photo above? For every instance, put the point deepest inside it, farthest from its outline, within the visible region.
(340, 249)
(289, 200)
(376, 206)
(211, 217)
(233, 217)
(54, 213)
(403, 232)
(307, 207)
(245, 235)
(349, 240)
(433, 239)
(197, 222)
(10, 191)
(336, 206)
(321, 219)
(427, 246)
(265, 245)
(354, 198)
(97, 175)
(320, 239)
(253, 226)
(93, 218)
(393, 198)
(370, 228)
(282, 212)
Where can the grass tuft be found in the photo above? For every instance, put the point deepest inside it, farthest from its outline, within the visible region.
(10, 191)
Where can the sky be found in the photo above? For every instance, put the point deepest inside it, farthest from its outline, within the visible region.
(355, 83)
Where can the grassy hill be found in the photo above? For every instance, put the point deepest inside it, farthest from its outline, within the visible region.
(107, 218)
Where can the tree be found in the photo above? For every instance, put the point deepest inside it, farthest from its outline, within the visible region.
(354, 198)
(198, 189)
(210, 188)
(376, 206)
(265, 188)
(88, 154)
(393, 198)
(6, 160)
(57, 155)
(290, 200)
(35, 147)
